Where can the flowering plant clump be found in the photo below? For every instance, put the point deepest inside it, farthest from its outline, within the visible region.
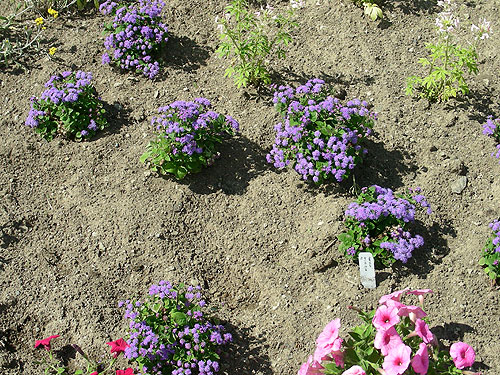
(490, 257)
(251, 37)
(492, 129)
(449, 61)
(56, 367)
(186, 137)
(69, 107)
(393, 340)
(20, 41)
(169, 333)
(136, 34)
(321, 138)
(377, 222)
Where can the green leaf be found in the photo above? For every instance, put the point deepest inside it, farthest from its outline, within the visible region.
(345, 237)
(144, 157)
(179, 318)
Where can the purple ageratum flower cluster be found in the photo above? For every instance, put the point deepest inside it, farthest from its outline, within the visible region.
(136, 35)
(187, 135)
(319, 137)
(169, 333)
(495, 227)
(492, 129)
(69, 106)
(377, 223)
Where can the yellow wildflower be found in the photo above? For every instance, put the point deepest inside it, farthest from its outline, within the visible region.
(39, 21)
(52, 50)
(53, 13)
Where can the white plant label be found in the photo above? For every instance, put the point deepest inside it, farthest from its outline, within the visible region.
(367, 270)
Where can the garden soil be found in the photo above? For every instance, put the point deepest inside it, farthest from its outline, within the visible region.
(85, 225)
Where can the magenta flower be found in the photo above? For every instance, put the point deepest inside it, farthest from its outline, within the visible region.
(396, 296)
(328, 341)
(118, 346)
(407, 310)
(329, 335)
(420, 361)
(45, 342)
(394, 303)
(128, 371)
(311, 367)
(462, 354)
(329, 352)
(354, 370)
(397, 361)
(387, 340)
(385, 317)
(422, 330)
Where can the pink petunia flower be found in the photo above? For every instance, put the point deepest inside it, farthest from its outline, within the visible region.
(328, 341)
(462, 354)
(354, 370)
(118, 346)
(387, 340)
(396, 296)
(407, 310)
(385, 317)
(95, 373)
(420, 361)
(311, 367)
(324, 353)
(128, 371)
(45, 342)
(394, 303)
(397, 361)
(422, 330)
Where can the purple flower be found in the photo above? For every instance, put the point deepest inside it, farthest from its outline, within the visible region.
(323, 141)
(141, 35)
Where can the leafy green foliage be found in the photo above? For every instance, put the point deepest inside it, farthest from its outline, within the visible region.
(490, 255)
(250, 39)
(377, 222)
(447, 64)
(448, 61)
(187, 135)
(70, 107)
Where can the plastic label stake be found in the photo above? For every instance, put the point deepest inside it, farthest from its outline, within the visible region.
(367, 270)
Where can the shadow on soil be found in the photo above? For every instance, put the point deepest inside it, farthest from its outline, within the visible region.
(184, 53)
(410, 7)
(241, 161)
(380, 167)
(288, 77)
(244, 355)
(383, 167)
(434, 250)
(118, 116)
(477, 104)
